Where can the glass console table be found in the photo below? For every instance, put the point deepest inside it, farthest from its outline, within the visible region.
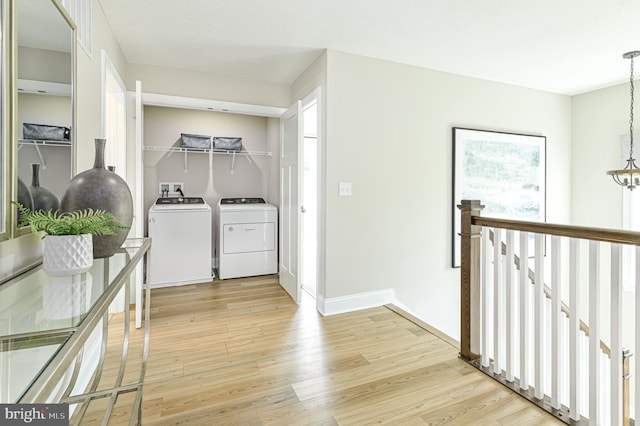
(57, 342)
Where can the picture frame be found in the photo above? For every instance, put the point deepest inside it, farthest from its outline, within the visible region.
(505, 171)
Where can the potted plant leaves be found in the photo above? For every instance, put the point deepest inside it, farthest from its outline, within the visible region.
(68, 239)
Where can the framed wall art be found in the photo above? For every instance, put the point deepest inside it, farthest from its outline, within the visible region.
(505, 171)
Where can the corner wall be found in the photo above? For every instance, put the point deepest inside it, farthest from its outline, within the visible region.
(389, 134)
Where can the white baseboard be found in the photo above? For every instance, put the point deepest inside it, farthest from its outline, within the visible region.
(405, 312)
(355, 302)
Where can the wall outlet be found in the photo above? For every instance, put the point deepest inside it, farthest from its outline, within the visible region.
(177, 185)
(345, 189)
(163, 188)
(170, 188)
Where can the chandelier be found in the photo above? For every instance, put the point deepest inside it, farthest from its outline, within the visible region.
(630, 175)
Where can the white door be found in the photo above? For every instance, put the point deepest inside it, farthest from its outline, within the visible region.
(309, 196)
(291, 137)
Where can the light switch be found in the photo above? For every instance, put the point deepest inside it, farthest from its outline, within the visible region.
(345, 189)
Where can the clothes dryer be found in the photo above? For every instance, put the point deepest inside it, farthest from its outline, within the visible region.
(247, 237)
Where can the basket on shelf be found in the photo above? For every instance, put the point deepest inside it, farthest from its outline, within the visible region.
(227, 144)
(195, 141)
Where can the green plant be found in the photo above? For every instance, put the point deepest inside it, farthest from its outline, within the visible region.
(87, 221)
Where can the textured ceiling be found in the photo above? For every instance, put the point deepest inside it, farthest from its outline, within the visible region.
(568, 46)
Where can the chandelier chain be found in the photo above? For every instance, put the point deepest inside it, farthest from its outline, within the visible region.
(631, 113)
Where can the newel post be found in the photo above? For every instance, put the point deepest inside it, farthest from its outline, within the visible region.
(469, 279)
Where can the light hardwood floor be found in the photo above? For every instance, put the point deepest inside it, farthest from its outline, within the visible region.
(241, 352)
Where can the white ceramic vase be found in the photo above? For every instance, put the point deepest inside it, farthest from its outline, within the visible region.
(67, 254)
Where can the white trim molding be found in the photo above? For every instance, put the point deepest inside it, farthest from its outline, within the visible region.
(356, 302)
(157, 99)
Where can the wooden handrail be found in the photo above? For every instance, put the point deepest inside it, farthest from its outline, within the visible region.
(597, 234)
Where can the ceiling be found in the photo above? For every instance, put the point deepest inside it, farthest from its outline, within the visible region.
(567, 47)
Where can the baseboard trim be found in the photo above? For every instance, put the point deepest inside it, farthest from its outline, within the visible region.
(356, 302)
(417, 321)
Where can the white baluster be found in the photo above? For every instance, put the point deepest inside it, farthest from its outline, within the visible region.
(524, 309)
(484, 270)
(594, 333)
(616, 334)
(574, 329)
(556, 295)
(509, 306)
(539, 317)
(637, 333)
(497, 296)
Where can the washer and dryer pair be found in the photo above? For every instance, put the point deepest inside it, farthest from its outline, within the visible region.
(246, 237)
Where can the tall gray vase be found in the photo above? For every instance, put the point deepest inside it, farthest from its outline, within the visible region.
(43, 199)
(24, 197)
(98, 188)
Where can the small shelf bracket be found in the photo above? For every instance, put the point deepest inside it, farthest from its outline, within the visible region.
(42, 162)
(233, 162)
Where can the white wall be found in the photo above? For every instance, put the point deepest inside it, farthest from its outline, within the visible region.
(44, 65)
(600, 118)
(389, 134)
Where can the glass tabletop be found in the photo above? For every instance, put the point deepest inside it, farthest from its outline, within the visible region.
(37, 302)
(39, 313)
(23, 359)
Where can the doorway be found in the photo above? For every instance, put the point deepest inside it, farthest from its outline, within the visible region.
(309, 196)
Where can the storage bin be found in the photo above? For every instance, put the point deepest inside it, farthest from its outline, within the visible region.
(44, 132)
(195, 141)
(227, 144)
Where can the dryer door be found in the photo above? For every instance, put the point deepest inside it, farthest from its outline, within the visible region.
(248, 237)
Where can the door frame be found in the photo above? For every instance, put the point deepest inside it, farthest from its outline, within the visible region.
(316, 96)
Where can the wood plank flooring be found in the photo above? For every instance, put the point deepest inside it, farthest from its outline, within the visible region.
(241, 352)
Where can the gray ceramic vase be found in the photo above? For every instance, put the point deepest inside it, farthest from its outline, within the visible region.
(43, 199)
(98, 188)
(24, 195)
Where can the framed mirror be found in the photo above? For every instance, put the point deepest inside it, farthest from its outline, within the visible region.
(44, 67)
(5, 128)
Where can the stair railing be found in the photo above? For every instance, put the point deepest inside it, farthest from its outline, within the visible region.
(520, 330)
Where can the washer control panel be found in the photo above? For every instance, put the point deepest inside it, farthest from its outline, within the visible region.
(242, 201)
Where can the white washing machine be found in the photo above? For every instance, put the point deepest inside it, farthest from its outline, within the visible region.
(181, 235)
(247, 238)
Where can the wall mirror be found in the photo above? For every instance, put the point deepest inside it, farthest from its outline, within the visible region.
(44, 108)
(5, 129)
